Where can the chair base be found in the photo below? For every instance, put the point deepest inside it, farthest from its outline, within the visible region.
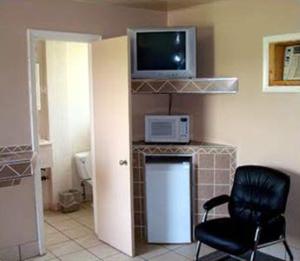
(288, 250)
(225, 257)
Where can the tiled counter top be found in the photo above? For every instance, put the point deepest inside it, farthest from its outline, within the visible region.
(16, 162)
(195, 148)
(213, 171)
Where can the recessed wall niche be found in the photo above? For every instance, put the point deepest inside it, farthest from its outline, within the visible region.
(281, 63)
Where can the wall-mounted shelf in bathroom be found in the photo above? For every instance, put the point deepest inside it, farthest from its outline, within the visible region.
(195, 86)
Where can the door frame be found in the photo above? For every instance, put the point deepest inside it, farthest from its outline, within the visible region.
(32, 37)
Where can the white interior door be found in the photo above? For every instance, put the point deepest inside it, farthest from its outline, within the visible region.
(113, 196)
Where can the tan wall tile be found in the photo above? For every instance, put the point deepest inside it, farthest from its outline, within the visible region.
(139, 219)
(199, 206)
(197, 219)
(135, 160)
(222, 161)
(206, 161)
(142, 174)
(141, 160)
(222, 176)
(205, 191)
(205, 176)
(138, 189)
(136, 174)
(221, 190)
(138, 206)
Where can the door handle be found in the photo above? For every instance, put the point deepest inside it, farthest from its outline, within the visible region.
(123, 162)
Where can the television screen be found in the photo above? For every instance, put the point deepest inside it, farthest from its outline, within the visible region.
(161, 50)
(161, 53)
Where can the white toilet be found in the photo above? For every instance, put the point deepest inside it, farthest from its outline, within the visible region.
(84, 170)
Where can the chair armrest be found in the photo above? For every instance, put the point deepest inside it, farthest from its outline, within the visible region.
(214, 202)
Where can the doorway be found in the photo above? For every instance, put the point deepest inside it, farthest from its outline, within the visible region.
(111, 139)
(54, 61)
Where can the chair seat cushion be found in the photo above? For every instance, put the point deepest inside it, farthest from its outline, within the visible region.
(227, 235)
(223, 234)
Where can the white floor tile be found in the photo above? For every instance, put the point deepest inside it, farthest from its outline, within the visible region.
(56, 218)
(277, 250)
(103, 251)
(79, 231)
(65, 224)
(81, 213)
(50, 213)
(150, 251)
(85, 218)
(170, 256)
(296, 253)
(122, 257)
(90, 225)
(173, 246)
(88, 241)
(86, 221)
(65, 248)
(49, 229)
(84, 245)
(79, 256)
(55, 238)
(189, 251)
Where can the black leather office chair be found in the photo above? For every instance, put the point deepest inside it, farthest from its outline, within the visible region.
(256, 207)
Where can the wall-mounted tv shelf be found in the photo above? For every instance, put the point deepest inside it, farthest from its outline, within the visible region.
(195, 86)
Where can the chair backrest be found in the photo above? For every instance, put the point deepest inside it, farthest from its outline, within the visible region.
(258, 190)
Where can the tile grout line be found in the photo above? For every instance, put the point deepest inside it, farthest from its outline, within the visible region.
(100, 242)
(70, 218)
(174, 251)
(71, 239)
(59, 231)
(74, 240)
(149, 259)
(169, 250)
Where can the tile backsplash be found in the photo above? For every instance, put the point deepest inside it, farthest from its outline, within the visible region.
(14, 149)
(16, 162)
(213, 171)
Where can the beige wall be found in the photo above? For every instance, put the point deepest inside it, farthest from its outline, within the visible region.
(264, 127)
(18, 220)
(146, 104)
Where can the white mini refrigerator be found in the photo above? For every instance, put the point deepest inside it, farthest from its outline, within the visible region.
(168, 199)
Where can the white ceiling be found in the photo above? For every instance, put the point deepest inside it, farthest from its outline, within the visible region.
(154, 4)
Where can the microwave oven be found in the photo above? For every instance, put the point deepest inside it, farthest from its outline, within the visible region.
(167, 128)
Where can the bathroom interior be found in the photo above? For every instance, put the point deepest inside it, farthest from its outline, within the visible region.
(63, 104)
